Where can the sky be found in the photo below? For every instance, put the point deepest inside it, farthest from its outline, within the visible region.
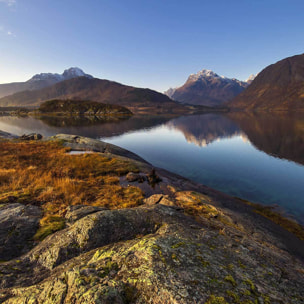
(147, 43)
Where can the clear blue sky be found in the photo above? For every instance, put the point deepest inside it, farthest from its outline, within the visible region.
(147, 43)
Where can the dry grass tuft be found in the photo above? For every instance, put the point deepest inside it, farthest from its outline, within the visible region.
(42, 173)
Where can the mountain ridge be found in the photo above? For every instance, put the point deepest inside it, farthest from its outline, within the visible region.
(94, 89)
(207, 88)
(279, 87)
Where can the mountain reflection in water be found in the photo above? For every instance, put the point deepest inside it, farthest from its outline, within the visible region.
(280, 134)
(204, 129)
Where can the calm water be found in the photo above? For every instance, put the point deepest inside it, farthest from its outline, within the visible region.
(259, 158)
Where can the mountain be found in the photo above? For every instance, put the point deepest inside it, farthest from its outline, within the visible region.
(278, 87)
(40, 81)
(84, 88)
(207, 88)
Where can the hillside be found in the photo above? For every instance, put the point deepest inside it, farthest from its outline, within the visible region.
(278, 87)
(56, 106)
(207, 88)
(83, 88)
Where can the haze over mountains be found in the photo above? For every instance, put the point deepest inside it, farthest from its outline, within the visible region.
(208, 88)
(279, 87)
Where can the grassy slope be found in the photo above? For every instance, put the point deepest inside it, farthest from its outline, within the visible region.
(44, 174)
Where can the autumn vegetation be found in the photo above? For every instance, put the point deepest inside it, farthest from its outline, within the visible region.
(45, 174)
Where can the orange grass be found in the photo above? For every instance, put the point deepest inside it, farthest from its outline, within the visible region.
(42, 173)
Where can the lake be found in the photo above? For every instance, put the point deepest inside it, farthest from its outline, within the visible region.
(252, 156)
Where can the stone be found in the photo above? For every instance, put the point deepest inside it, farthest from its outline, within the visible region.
(148, 254)
(153, 178)
(135, 177)
(18, 225)
(167, 201)
(76, 142)
(153, 199)
(74, 213)
(32, 136)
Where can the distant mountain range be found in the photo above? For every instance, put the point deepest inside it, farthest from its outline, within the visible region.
(75, 84)
(278, 87)
(40, 81)
(208, 88)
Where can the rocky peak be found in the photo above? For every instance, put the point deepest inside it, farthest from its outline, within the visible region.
(55, 77)
(203, 74)
(46, 76)
(74, 72)
(207, 88)
(251, 78)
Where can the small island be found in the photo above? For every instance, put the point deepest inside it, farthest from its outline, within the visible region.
(81, 107)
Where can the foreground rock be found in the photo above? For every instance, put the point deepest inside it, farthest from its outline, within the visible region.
(7, 135)
(87, 144)
(152, 254)
(18, 225)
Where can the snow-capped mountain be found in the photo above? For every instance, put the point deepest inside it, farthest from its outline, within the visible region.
(46, 76)
(170, 92)
(67, 74)
(251, 78)
(40, 81)
(207, 88)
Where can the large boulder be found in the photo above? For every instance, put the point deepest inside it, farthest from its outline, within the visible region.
(76, 142)
(18, 224)
(153, 254)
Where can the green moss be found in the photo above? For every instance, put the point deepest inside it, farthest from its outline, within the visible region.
(250, 284)
(234, 296)
(177, 245)
(266, 299)
(246, 292)
(203, 262)
(53, 224)
(230, 279)
(109, 266)
(241, 264)
(216, 300)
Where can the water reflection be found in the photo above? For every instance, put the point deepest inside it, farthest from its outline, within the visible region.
(204, 129)
(280, 134)
(79, 121)
(93, 127)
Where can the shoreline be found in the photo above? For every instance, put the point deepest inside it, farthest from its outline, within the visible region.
(240, 206)
(187, 218)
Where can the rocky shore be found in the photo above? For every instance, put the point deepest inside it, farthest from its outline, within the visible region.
(182, 243)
